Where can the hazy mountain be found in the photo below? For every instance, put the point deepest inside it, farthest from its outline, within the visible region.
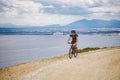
(82, 27)
(94, 24)
(77, 24)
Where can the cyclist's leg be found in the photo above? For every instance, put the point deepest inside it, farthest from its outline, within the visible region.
(75, 46)
(72, 44)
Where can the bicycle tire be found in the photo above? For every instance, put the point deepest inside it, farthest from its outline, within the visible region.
(75, 53)
(70, 53)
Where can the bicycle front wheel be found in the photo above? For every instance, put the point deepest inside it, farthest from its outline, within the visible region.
(70, 53)
(76, 53)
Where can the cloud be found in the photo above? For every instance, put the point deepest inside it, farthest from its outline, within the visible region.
(47, 12)
(90, 9)
(28, 12)
(40, 20)
(16, 7)
(94, 5)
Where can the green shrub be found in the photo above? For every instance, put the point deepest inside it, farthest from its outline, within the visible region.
(87, 49)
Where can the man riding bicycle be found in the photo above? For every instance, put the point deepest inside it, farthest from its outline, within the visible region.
(74, 38)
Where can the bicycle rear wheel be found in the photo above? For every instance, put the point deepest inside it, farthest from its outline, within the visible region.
(70, 53)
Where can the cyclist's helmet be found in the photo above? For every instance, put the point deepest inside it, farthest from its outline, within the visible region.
(73, 31)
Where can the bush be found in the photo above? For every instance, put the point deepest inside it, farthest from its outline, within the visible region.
(87, 49)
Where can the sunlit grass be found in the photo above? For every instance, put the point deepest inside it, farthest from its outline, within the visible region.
(87, 49)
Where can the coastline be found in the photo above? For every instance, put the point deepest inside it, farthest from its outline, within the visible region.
(17, 71)
(24, 68)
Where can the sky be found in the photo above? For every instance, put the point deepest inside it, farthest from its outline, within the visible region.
(62, 12)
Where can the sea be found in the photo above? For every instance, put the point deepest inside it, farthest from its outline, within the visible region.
(16, 49)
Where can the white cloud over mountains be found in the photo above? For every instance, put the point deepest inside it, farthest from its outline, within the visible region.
(99, 6)
(47, 12)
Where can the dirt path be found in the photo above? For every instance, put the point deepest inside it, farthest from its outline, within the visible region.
(103, 64)
(100, 65)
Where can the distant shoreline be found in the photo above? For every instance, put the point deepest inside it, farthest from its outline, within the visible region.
(62, 34)
(59, 31)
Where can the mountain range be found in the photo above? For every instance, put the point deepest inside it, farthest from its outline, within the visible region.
(77, 24)
(82, 27)
(95, 24)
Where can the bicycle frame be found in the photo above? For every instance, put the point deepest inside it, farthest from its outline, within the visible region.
(72, 51)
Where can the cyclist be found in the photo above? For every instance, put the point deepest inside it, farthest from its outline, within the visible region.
(74, 38)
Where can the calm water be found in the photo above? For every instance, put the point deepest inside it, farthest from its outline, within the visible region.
(15, 49)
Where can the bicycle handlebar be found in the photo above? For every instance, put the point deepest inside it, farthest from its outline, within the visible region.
(70, 43)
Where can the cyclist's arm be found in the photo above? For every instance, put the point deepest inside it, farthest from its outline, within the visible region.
(68, 39)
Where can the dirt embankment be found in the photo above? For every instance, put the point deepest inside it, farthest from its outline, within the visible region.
(103, 64)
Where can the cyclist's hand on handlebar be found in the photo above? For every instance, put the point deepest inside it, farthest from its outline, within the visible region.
(68, 42)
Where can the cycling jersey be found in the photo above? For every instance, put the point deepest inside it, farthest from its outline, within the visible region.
(74, 38)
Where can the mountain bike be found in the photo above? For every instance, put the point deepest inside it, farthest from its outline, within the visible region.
(73, 51)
